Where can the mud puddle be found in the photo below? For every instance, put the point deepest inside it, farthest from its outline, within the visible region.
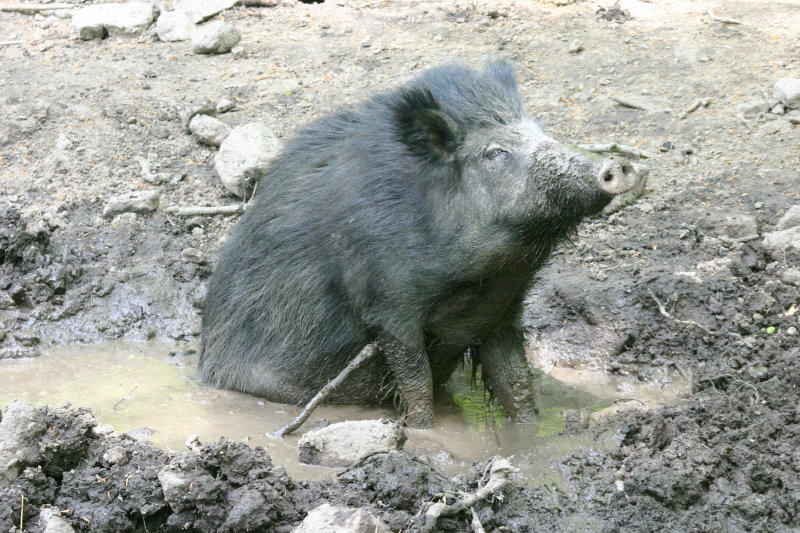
(139, 388)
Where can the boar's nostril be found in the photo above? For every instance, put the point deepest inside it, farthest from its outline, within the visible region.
(616, 177)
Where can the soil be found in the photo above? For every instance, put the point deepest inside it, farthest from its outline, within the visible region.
(77, 119)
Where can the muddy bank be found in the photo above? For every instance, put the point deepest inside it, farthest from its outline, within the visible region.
(98, 480)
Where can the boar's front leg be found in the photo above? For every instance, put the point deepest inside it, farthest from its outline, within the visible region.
(508, 374)
(411, 370)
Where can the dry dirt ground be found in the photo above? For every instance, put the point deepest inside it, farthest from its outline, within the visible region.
(78, 118)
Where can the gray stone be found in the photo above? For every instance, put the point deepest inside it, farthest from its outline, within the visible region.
(736, 226)
(778, 109)
(174, 485)
(753, 108)
(790, 219)
(575, 47)
(202, 10)
(783, 243)
(244, 156)
(99, 20)
(344, 443)
(51, 521)
(215, 38)
(174, 26)
(787, 91)
(224, 105)
(791, 276)
(331, 519)
(793, 117)
(132, 202)
(115, 455)
(209, 130)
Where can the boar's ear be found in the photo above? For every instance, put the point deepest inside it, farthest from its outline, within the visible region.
(502, 71)
(427, 130)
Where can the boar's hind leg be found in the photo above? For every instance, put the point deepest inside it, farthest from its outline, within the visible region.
(508, 374)
(411, 370)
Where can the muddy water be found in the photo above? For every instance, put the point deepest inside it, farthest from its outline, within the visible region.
(140, 388)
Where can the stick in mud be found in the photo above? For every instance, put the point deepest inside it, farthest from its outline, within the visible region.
(723, 20)
(201, 210)
(135, 386)
(614, 148)
(500, 470)
(366, 352)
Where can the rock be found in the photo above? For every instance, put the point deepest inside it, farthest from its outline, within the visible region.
(27, 337)
(575, 47)
(175, 486)
(793, 117)
(753, 108)
(791, 276)
(332, 519)
(100, 20)
(192, 255)
(174, 26)
(132, 202)
(790, 219)
(115, 455)
(778, 109)
(215, 38)
(736, 226)
(209, 130)
(51, 521)
(202, 10)
(344, 443)
(787, 92)
(224, 105)
(244, 156)
(782, 243)
(627, 198)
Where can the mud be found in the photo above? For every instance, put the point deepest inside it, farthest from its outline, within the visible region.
(150, 390)
(723, 460)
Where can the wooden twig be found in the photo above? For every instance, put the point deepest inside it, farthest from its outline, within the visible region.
(11, 43)
(34, 8)
(366, 352)
(200, 210)
(697, 104)
(500, 470)
(22, 512)
(626, 102)
(136, 386)
(723, 20)
(665, 314)
(614, 148)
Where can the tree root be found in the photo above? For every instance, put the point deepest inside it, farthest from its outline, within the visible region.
(500, 470)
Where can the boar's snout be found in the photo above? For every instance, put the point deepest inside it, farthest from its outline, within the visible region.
(615, 176)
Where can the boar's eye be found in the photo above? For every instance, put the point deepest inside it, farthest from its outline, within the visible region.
(494, 153)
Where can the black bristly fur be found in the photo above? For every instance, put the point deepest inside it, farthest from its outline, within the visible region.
(359, 228)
